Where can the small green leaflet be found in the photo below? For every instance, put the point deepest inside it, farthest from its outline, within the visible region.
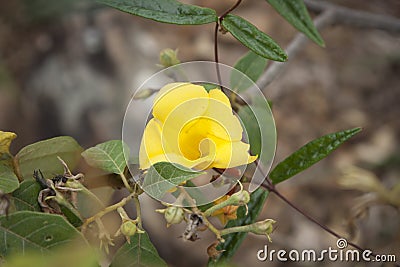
(43, 155)
(252, 65)
(26, 196)
(310, 154)
(166, 11)
(140, 252)
(8, 180)
(164, 176)
(295, 12)
(26, 230)
(109, 156)
(253, 38)
(233, 241)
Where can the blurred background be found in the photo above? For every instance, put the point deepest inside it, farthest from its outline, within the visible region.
(69, 67)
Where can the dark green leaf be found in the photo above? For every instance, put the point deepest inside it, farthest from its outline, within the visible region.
(167, 11)
(250, 64)
(70, 213)
(210, 86)
(310, 154)
(26, 196)
(295, 12)
(260, 128)
(140, 252)
(43, 155)
(109, 156)
(26, 230)
(233, 241)
(8, 180)
(164, 176)
(253, 38)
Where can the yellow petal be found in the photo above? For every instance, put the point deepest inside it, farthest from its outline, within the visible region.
(223, 123)
(231, 154)
(151, 145)
(174, 95)
(154, 149)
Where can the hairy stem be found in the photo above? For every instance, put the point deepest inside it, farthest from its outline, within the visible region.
(107, 210)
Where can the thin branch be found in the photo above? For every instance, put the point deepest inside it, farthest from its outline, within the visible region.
(330, 15)
(297, 44)
(356, 18)
(216, 53)
(217, 24)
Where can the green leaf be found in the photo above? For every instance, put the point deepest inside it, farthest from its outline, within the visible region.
(250, 64)
(43, 155)
(210, 86)
(310, 154)
(26, 230)
(70, 213)
(233, 241)
(253, 38)
(164, 176)
(8, 180)
(140, 252)
(166, 11)
(295, 12)
(68, 255)
(260, 129)
(109, 156)
(26, 196)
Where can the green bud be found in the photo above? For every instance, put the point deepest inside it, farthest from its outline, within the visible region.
(128, 228)
(263, 228)
(241, 198)
(174, 215)
(169, 57)
(143, 94)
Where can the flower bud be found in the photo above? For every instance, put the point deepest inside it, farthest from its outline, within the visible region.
(240, 198)
(174, 215)
(128, 228)
(263, 228)
(169, 57)
(143, 94)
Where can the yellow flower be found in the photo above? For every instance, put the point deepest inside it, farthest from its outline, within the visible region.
(193, 128)
(226, 213)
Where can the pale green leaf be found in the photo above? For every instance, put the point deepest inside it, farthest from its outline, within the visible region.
(23, 231)
(252, 65)
(109, 156)
(26, 196)
(43, 155)
(140, 252)
(164, 176)
(8, 180)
